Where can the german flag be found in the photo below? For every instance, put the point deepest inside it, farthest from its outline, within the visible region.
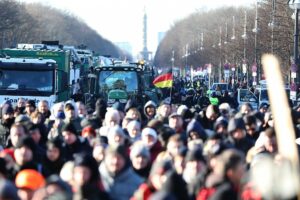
(165, 80)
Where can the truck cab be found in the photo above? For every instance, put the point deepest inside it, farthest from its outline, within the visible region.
(30, 57)
(118, 82)
(28, 78)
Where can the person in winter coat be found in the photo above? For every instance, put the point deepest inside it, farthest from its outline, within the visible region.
(134, 130)
(140, 159)
(112, 118)
(150, 140)
(99, 145)
(86, 178)
(237, 131)
(195, 130)
(38, 119)
(163, 112)
(134, 114)
(209, 116)
(194, 164)
(20, 107)
(176, 123)
(30, 107)
(100, 108)
(43, 107)
(149, 111)
(72, 116)
(252, 129)
(174, 146)
(74, 143)
(35, 134)
(117, 175)
(7, 120)
(54, 159)
(25, 157)
(56, 120)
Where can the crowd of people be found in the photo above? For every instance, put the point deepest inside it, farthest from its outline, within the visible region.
(136, 152)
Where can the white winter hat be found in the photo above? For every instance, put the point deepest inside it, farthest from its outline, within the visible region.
(149, 131)
(113, 131)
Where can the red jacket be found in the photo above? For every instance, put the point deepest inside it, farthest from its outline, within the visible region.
(143, 193)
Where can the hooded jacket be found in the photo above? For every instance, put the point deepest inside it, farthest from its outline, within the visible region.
(148, 104)
(195, 126)
(122, 186)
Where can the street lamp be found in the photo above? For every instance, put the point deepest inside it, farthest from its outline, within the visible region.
(209, 73)
(173, 59)
(186, 57)
(295, 4)
(233, 28)
(202, 41)
(232, 75)
(256, 31)
(245, 37)
(220, 45)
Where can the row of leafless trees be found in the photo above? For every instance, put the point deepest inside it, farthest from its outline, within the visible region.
(226, 35)
(32, 23)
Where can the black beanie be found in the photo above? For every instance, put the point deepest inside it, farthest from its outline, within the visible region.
(234, 124)
(194, 155)
(27, 141)
(70, 128)
(86, 160)
(100, 108)
(7, 109)
(31, 103)
(55, 142)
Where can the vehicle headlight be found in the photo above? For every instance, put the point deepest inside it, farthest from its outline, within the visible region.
(123, 100)
(111, 101)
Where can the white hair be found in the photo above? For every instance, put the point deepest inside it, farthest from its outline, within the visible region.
(55, 108)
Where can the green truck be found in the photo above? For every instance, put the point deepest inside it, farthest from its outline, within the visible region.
(119, 82)
(38, 67)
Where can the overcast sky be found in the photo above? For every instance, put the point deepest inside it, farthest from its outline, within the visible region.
(122, 20)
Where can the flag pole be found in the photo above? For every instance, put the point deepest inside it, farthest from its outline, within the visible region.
(171, 92)
(172, 59)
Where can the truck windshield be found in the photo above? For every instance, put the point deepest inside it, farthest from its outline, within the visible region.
(38, 81)
(124, 80)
